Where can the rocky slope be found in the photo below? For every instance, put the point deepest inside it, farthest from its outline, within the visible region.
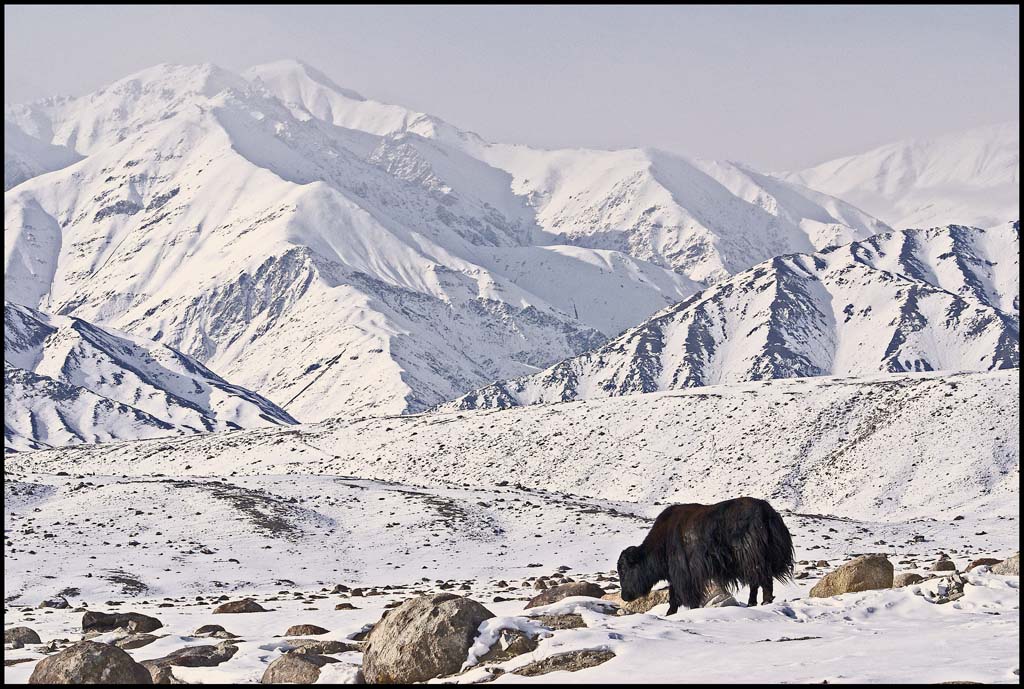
(67, 381)
(860, 447)
(921, 300)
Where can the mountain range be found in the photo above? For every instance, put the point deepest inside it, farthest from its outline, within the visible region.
(914, 300)
(343, 257)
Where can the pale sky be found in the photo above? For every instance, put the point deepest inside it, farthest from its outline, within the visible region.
(777, 87)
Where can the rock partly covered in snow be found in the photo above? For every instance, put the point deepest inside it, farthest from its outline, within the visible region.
(557, 593)
(1008, 567)
(863, 573)
(422, 638)
(88, 662)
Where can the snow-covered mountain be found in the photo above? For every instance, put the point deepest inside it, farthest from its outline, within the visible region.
(916, 300)
(26, 157)
(67, 381)
(967, 178)
(343, 256)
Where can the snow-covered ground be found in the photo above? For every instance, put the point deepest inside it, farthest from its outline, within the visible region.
(287, 541)
(858, 447)
(855, 465)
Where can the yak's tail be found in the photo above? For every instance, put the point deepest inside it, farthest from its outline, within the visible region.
(778, 544)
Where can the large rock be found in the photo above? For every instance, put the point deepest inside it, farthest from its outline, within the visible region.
(107, 622)
(320, 646)
(235, 606)
(557, 593)
(717, 597)
(19, 636)
(509, 644)
(1008, 567)
(191, 656)
(196, 656)
(423, 638)
(982, 562)
(640, 605)
(127, 643)
(57, 603)
(864, 573)
(295, 668)
(88, 662)
(944, 564)
(906, 579)
(305, 630)
(572, 661)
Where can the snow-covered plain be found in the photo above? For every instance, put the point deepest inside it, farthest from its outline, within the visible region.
(463, 501)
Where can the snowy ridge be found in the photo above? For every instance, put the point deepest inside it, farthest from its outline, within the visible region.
(968, 178)
(67, 381)
(921, 300)
(862, 448)
(26, 157)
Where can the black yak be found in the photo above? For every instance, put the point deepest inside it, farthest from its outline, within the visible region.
(738, 541)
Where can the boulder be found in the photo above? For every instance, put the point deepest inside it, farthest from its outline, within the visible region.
(127, 643)
(1008, 567)
(864, 573)
(198, 656)
(566, 662)
(235, 606)
(982, 562)
(564, 621)
(906, 579)
(509, 644)
(190, 656)
(305, 630)
(88, 662)
(640, 605)
(208, 630)
(944, 564)
(57, 603)
(557, 593)
(19, 636)
(717, 597)
(292, 668)
(950, 589)
(423, 638)
(320, 646)
(107, 622)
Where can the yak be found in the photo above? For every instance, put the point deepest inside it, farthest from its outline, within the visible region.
(737, 541)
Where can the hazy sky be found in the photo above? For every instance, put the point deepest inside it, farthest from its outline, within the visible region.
(778, 87)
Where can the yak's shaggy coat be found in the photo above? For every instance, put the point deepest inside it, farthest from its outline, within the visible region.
(738, 541)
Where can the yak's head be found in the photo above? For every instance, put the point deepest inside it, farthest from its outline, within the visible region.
(635, 576)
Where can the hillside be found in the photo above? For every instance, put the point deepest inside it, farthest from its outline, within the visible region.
(67, 381)
(967, 178)
(921, 300)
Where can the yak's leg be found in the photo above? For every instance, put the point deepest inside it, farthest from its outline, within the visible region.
(752, 600)
(766, 593)
(673, 602)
